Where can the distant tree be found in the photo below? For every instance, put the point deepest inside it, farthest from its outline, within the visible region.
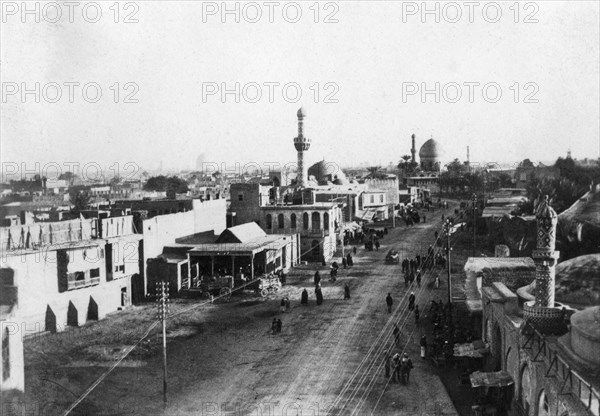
(176, 185)
(69, 176)
(171, 185)
(80, 199)
(526, 163)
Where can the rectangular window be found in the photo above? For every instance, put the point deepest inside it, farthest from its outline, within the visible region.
(240, 197)
(94, 273)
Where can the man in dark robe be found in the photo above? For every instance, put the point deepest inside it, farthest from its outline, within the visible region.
(346, 291)
(304, 298)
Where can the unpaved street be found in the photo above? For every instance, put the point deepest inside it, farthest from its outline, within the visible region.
(328, 359)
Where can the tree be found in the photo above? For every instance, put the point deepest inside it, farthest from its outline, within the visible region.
(80, 199)
(171, 185)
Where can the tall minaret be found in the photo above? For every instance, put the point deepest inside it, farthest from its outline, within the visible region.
(301, 144)
(413, 150)
(543, 313)
(544, 256)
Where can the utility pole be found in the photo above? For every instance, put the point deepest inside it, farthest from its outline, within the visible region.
(447, 228)
(162, 294)
(474, 202)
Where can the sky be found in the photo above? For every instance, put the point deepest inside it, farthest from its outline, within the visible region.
(509, 80)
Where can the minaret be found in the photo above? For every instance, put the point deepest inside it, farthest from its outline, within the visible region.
(544, 256)
(301, 144)
(413, 150)
(543, 313)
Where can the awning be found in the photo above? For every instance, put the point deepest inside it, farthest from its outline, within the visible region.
(495, 379)
(476, 349)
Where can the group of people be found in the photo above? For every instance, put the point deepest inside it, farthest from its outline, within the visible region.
(399, 365)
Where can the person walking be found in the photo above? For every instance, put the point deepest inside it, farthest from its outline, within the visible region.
(346, 291)
(396, 334)
(411, 301)
(354, 250)
(274, 326)
(317, 278)
(304, 298)
(389, 301)
(319, 295)
(282, 307)
(408, 365)
(287, 303)
(377, 245)
(344, 262)
(279, 325)
(436, 283)
(423, 346)
(418, 278)
(396, 361)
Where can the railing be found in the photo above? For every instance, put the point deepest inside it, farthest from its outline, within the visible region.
(77, 284)
(570, 381)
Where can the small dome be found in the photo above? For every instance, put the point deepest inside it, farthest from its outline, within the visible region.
(301, 112)
(430, 150)
(324, 172)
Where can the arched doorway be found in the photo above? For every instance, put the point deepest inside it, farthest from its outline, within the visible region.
(269, 221)
(543, 405)
(305, 221)
(293, 221)
(280, 221)
(525, 389)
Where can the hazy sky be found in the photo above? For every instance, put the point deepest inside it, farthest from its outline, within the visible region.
(370, 61)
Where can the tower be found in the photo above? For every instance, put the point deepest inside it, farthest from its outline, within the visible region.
(413, 151)
(302, 144)
(543, 313)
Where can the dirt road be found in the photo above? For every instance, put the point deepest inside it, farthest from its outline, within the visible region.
(223, 359)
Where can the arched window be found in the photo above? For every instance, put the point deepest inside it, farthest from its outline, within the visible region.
(280, 223)
(269, 222)
(293, 221)
(543, 406)
(316, 221)
(326, 221)
(305, 220)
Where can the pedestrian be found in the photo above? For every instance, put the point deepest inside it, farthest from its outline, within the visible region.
(423, 346)
(287, 303)
(344, 262)
(436, 284)
(418, 278)
(282, 307)
(396, 363)
(279, 325)
(389, 301)
(396, 334)
(408, 365)
(346, 291)
(425, 218)
(406, 279)
(319, 295)
(317, 278)
(349, 260)
(332, 274)
(411, 301)
(304, 298)
(354, 250)
(274, 326)
(377, 245)
(417, 315)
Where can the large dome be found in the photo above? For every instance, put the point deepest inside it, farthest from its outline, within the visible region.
(430, 150)
(325, 172)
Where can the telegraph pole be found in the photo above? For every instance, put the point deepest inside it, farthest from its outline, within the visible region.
(162, 293)
(447, 228)
(474, 202)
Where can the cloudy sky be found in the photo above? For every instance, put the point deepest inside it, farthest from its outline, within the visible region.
(511, 82)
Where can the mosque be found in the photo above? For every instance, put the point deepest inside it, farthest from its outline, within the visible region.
(320, 204)
(428, 173)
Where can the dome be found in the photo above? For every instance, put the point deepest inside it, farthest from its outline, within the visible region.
(324, 172)
(430, 150)
(578, 280)
(585, 334)
(301, 112)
